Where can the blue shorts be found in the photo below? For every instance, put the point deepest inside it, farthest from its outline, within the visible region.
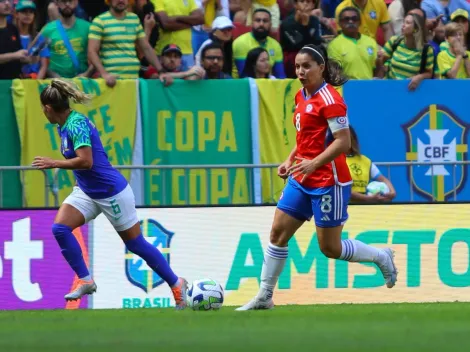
(328, 205)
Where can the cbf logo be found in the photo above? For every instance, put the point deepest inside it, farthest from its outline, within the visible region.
(137, 271)
(437, 135)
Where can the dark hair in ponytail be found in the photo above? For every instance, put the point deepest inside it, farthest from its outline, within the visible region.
(333, 73)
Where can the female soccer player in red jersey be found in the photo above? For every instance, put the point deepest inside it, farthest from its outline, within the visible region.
(319, 183)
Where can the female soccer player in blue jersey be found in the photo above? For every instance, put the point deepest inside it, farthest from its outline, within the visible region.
(100, 189)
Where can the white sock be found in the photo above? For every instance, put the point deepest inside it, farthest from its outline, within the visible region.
(357, 251)
(86, 278)
(274, 261)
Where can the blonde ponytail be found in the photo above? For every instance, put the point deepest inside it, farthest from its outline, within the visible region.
(59, 93)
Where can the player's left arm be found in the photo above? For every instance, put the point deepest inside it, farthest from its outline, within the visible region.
(83, 160)
(341, 143)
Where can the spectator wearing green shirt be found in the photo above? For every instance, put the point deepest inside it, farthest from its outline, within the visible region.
(68, 43)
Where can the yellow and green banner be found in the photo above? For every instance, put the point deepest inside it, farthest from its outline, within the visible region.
(113, 111)
(197, 123)
(277, 134)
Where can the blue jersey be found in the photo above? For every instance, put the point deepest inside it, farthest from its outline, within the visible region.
(102, 180)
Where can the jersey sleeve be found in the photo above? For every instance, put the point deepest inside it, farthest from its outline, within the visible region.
(334, 110)
(192, 6)
(80, 134)
(333, 51)
(158, 4)
(96, 29)
(388, 47)
(140, 31)
(430, 59)
(384, 15)
(444, 62)
(374, 172)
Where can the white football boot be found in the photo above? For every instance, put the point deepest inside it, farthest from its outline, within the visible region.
(388, 268)
(83, 288)
(257, 303)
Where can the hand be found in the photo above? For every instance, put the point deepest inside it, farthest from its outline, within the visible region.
(149, 21)
(317, 12)
(381, 54)
(110, 80)
(377, 198)
(458, 48)
(282, 170)
(21, 55)
(197, 71)
(415, 82)
(166, 79)
(303, 166)
(42, 163)
(390, 196)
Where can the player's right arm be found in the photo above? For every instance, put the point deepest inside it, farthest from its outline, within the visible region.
(81, 138)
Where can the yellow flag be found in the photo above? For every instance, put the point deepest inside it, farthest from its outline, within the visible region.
(112, 110)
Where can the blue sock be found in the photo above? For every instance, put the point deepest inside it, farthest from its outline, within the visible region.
(155, 260)
(71, 250)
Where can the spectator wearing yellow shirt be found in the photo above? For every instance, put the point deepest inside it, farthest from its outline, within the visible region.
(248, 8)
(176, 18)
(373, 14)
(459, 16)
(356, 52)
(113, 38)
(453, 61)
(410, 56)
(363, 171)
(258, 37)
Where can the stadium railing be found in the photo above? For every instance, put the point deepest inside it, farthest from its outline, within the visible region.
(51, 184)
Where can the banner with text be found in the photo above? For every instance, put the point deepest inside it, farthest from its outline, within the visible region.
(113, 111)
(33, 272)
(227, 244)
(197, 123)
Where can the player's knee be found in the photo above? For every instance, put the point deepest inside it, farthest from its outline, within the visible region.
(278, 237)
(330, 250)
(60, 230)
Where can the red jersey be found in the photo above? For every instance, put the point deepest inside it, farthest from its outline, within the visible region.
(314, 135)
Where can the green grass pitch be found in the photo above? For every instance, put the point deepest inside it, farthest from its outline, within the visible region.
(378, 328)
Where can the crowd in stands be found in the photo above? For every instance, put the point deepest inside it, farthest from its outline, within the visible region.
(226, 39)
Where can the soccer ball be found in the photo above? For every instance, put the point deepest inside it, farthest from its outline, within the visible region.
(205, 294)
(377, 187)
